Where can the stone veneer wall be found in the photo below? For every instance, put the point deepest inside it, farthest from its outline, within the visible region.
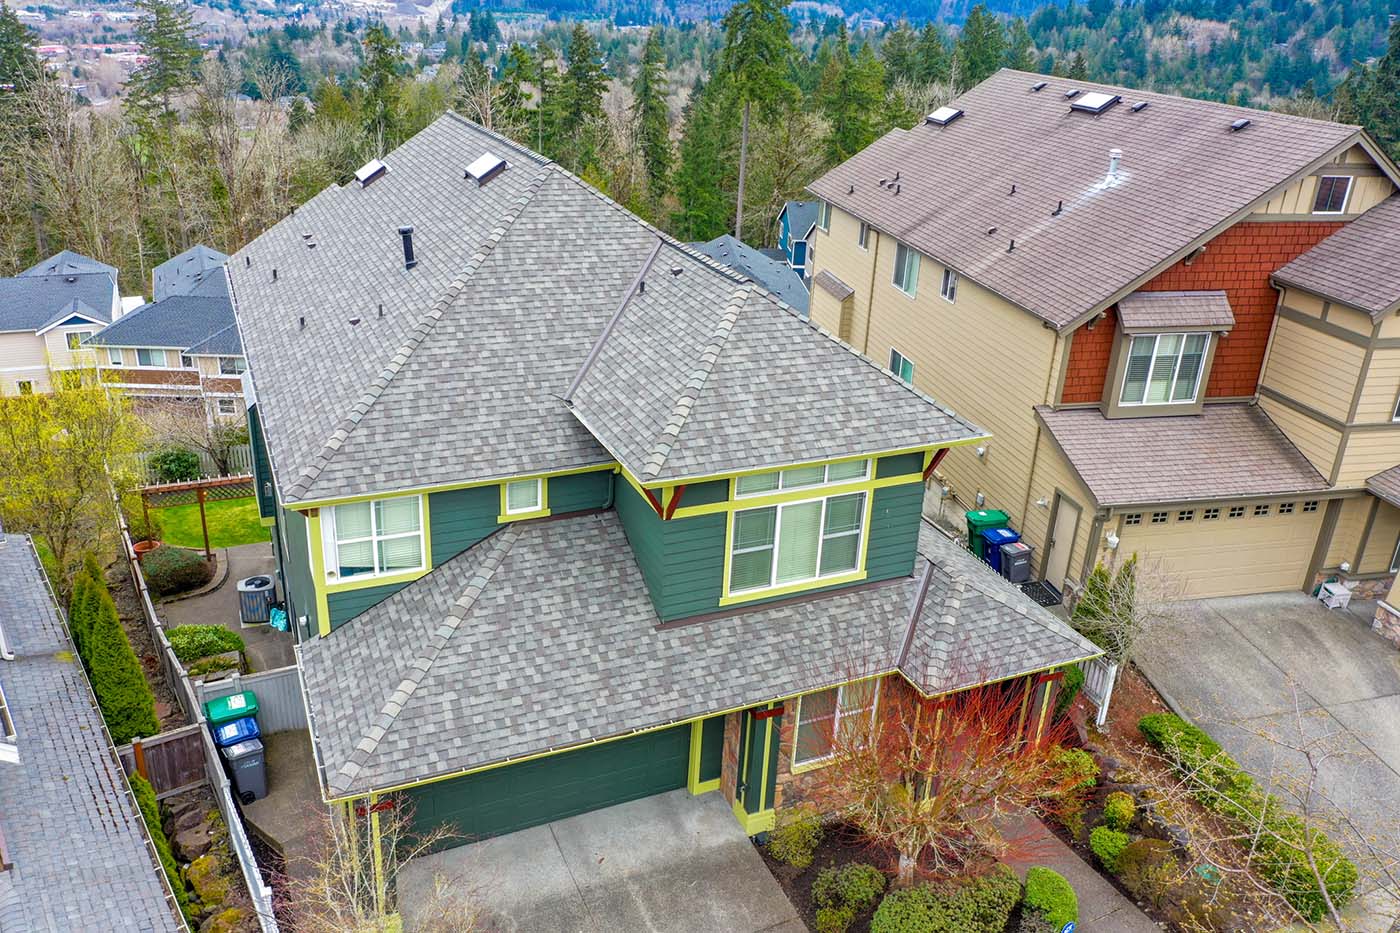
(1387, 623)
(1368, 588)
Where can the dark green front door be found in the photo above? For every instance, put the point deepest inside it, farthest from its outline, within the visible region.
(513, 797)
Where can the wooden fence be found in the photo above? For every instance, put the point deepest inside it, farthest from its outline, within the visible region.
(173, 761)
(240, 460)
(1099, 678)
(280, 706)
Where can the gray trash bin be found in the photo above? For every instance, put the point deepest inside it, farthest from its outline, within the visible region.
(255, 598)
(247, 769)
(1016, 562)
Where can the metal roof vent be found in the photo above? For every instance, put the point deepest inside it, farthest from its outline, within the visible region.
(1095, 102)
(1115, 159)
(943, 116)
(1038, 86)
(1072, 93)
(1239, 124)
(409, 259)
(486, 167)
(368, 173)
(1139, 106)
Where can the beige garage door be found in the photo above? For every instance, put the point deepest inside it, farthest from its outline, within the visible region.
(1221, 551)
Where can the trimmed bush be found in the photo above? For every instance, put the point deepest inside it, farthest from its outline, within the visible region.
(174, 464)
(1070, 685)
(210, 666)
(1107, 844)
(1076, 762)
(192, 642)
(795, 838)
(834, 919)
(1119, 810)
(150, 810)
(856, 886)
(1148, 868)
(977, 905)
(1051, 896)
(170, 570)
(126, 700)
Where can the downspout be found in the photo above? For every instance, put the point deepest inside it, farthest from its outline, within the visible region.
(870, 293)
(1035, 445)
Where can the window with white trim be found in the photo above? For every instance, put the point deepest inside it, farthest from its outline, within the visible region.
(75, 338)
(901, 366)
(949, 288)
(1210, 515)
(757, 484)
(145, 356)
(227, 406)
(1261, 510)
(1134, 519)
(374, 538)
(1236, 511)
(1163, 369)
(863, 237)
(1310, 505)
(1285, 508)
(186, 362)
(1395, 559)
(232, 365)
(1186, 515)
(847, 711)
(114, 356)
(824, 215)
(524, 496)
(796, 542)
(1332, 193)
(906, 270)
(24, 387)
(1395, 414)
(1159, 518)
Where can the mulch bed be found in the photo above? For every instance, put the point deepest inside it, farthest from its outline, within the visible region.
(168, 709)
(841, 845)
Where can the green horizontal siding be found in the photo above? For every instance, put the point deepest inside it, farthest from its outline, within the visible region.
(262, 467)
(894, 531)
(705, 493)
(579, 492)
(345, 605)
(711, 748)
(298, 588)
(461, 518)
(899, 465)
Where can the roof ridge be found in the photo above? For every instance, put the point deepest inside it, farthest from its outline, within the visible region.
(500, 137)
(416, 335)
(695, 381)
(433, 647)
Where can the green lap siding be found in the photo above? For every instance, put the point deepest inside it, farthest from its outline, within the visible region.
(579, 492)
(899, 465)
(896, 513)
(711, 748)
(262, 466)
(347, 604)
(515, 797)
(297, 586)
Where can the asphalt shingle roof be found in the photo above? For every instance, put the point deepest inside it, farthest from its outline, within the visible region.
(1159, 310)
(185, 273)
(485, 659)
(71, 827)
(30, 302)
(180, 322)
(1228, 451)
(67, 262)
(773, 274)
(830, 283)
(1385, 485)
(1356, 265)
(1183, 173)
(802, 216)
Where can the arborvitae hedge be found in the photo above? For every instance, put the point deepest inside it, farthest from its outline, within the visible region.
(146, 800)
(123, 695)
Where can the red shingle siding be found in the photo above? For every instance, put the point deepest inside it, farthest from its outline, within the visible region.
(1240, 261)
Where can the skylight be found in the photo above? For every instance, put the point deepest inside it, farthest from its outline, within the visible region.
(1095, 102)
(944, 115)
(485, 168)
(369, 172)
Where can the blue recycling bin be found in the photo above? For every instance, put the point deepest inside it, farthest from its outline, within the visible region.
(995, 538)
(235, 731)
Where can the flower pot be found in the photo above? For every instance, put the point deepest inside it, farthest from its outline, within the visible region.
(143, 547)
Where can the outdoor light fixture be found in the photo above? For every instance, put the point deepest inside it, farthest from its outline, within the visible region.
(981, 499)
(981, 451)
(1111, 541)
(1043, 502)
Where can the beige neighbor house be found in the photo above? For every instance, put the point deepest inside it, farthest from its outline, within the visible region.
(46, 312)
(1159, 309)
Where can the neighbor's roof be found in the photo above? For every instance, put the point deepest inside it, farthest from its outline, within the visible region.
(1228, 451)
(802, 217)
(484, 659)
(181, 322)
(70, 824)
(463, 374)
(773, 274)
(1183, 174)
(1164, 310)
(67, 262)
(184, 273)
(1385, 485)
(830, 283)
(34, 302)
(1357, 265)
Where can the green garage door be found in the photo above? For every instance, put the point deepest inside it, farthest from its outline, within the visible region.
(514, 797)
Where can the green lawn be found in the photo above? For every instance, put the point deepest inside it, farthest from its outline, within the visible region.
(231, 522)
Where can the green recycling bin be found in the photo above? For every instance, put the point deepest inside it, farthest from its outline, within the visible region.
(977, 522)
(234, 706)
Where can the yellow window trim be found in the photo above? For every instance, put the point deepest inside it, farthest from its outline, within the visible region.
(324, 587)
(693, 782)
(610, 466)
(540, 512)
(316, 548)
(874, 455)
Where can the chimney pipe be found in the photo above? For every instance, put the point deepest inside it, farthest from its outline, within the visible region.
(408, 259)
(1115, 157)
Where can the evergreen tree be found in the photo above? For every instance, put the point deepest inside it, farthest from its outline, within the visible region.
(379, 108)
(980, 47)
(850, 97)
(517, 70)
(704, 208)
(933, 61)
(1371, 96)
(900, 53)
(579, 107)
(1078, 68)
(1020, 50)
(19, 65)
(652, 119)
(166, 35)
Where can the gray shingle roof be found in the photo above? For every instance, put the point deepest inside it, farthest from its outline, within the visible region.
(1357, 264)
(773, 274)
(67, 262)
(802, 216)
(1158, 310)
(830, 283)
(184, 273)
(29, 302)
(1231, 450)
(485, 658)
(1385, 485)
(70, 824)
(180, 322)
(1183, 173)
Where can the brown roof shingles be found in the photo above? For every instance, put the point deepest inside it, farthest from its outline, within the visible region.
(1385, 486)
(1228, 451)
(1165, 310)
(1357, 265)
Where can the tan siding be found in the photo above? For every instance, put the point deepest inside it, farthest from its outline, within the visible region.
(1314, 368)
(836, 251)
(1306, 302)
(1318, 442)
(1358, 322)
(825, 311)
(1382, 385)
(60, 357)
(1390, 326)
(1380, 547)
(21, 350)
(1366, 192)
(1366, 454)
(1347, 535)
(1052, 473)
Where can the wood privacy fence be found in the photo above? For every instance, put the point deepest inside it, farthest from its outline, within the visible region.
(240, 460)
(280, 706)
(173, 761)
(1099, 677)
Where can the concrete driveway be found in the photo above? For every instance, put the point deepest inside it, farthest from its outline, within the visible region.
(672, 862)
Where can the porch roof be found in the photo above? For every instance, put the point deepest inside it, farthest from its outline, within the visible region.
(1148, 311)
(1385, 486)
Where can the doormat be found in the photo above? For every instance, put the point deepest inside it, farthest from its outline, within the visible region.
(1043, 593)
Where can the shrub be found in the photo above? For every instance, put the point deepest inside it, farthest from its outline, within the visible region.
(1119, 810)
(1070, 685)
(1050, 895)
(856, 885)
(126, 700)
(795, 838)
(978, 905)
(192, 642)
(1107, 844)
(1148, 868)
(1076, 762)
(834, 919)
(174, 464)
(210, 666)
(150, 811)
(171, 570)
(1283, 863)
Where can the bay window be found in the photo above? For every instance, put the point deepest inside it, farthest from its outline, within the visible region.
(1163, 369)
(368, 539)
(796, 542)
(845, 714)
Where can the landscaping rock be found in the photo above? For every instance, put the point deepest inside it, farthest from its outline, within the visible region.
(182, 821)
(228, 920)
(205, 876)
(190, 844)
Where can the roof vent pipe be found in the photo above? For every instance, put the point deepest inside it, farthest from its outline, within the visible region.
(409, 261)
(1115, 158)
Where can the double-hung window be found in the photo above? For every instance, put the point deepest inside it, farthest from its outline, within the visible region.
(114, 356)
(863, 237)
(1332, 191)
(76, 337)
(906, 270)
(1164, 369)
(232, 365)
(949, 288)
(901, 366)
(524, 496)
(145, 356)
(845, 714)
(824, 215)
(367, 539)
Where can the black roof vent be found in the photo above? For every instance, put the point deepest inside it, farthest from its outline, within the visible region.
(1038, 86)
(1072, 93)
(406, 234)
(1139, 106)
(1239, 124)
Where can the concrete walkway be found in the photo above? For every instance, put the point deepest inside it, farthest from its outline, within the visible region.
(672, 862)
(266, 648)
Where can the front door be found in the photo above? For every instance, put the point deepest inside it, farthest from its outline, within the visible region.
(1061, 543)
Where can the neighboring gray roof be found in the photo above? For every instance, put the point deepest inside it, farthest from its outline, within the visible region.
(1183, 174)
(1357, 264)
(184, 273)
(1165, 310)
(1385, 485)
(802, 217)
(70, 825)
(1228, 451)
(830, 283)
(30, 302)
(773, 274)
(463, 377)
(68, 262)
(485, 659)
(221, 343)
(181, 322)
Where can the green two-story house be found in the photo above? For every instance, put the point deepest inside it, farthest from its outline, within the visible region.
(567, 514)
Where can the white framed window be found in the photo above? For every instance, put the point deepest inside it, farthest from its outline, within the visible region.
(145, 356)
(824, 215)
(226, 406)
(757, 484)
(906, 270)
(1395, 413)
(1333, 192)
(186, 362)
(374, 538)
(1310, 505)
(949, 288)
(796, 542)
(1186, 515)
(1159, 518)
(232, 365)
(75, 338)
(901, 366)
(25, 387)
(1260, 511)
(1236, 511)
(1210, 515)
(1285, 508)
(524, 496)
(1133, 519)
(840, 711)
(863, 237)
(1395, 559)
(114, 356)
(1163, 369)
